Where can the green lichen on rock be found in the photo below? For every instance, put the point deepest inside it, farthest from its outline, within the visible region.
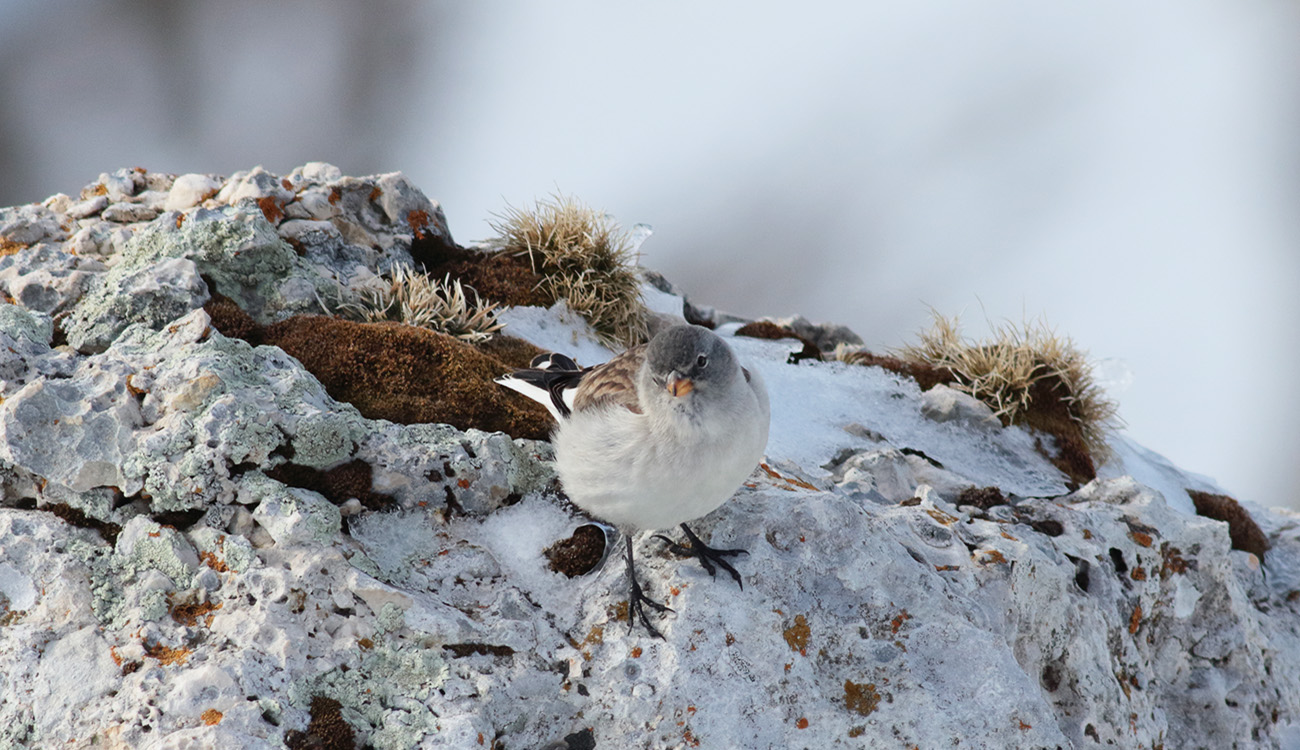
(325, 439)
(19, 321)
(387, 690)
(291, 515)
(161, 275)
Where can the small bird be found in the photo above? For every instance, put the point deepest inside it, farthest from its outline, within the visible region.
(659, 435)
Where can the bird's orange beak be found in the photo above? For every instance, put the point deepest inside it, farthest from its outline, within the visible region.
(680, 386)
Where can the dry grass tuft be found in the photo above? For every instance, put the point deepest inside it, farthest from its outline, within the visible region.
(1026, 374)
(415, 299)
(584, 258)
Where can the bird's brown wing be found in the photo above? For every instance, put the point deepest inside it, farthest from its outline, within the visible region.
(612, 383)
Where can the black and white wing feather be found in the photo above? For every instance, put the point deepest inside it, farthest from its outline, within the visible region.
(551, 380)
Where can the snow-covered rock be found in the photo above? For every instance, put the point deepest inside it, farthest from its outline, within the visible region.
(201, 547)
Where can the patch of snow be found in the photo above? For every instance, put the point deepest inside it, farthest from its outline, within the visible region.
(556, 329)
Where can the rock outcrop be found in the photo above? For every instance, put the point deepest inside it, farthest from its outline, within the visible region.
(201, 546)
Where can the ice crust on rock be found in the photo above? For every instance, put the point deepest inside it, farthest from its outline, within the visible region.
(158, 588)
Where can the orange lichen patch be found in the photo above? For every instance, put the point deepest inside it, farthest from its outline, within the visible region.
(9, 247)
(462, 483)
(112, 653)
(940, 516)
(338, 485)
(797, 635)
(898, 621)
(336, 195)
(793, 481)
(636, 652)
(271, 209)
(802, 723)
(327, 729)
(189, 614)
(578, 554)
(1140, 538)
(993, 556)
(213, 562)
(1087, 534)
(1023, 726)
(690, 739)
(375, 194)
(211, 717)
(180, 219)
(1138, 573)
(1171, 561)
(418, 221)
(1244, 532)
(167, 655)
(857, 731)
(861, 699)
(286, 184)
(595, 637)
(1135, 620)
(730, 639)
(942, 568)
(1005, 535)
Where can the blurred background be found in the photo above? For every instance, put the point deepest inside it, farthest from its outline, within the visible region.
(1125, 171)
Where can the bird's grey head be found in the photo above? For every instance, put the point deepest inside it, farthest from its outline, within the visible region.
(686, 359)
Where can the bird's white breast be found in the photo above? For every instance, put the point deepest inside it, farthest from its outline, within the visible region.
(654, 471)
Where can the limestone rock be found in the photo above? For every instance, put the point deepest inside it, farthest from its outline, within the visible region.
(201, 544)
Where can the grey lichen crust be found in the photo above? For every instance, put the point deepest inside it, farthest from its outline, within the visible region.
(159, 584)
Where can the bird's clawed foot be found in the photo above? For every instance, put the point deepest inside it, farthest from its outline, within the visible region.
(637, 600)
(708, 556)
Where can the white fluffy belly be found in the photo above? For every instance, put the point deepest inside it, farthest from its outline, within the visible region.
(617, 472)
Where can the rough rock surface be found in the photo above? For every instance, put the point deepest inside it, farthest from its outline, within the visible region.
(161, 588)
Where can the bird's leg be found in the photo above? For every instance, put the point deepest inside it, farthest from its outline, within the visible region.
(705, 554)
(636, 599)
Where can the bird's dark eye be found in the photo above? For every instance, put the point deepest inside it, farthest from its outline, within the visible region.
(701, 361)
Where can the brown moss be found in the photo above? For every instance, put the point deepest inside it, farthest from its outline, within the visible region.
(981, 497)
(499, 277)
(408, 375)
(1049, 411)
(578, 554)
(327, 729)
(766, 329)
(515, 353)
(926, 376)
(1245, 533)
(231, 320)
(396, 372)
(338, 485)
